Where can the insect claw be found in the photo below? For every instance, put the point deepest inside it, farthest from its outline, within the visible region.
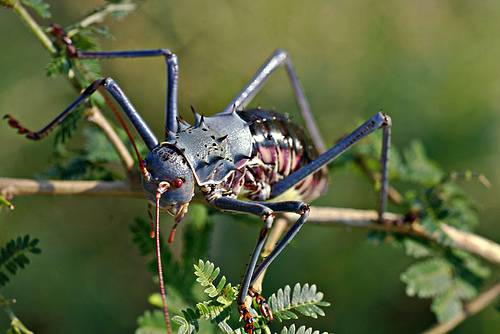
(247, 319)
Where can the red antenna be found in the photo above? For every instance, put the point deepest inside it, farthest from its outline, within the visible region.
(120, 119)
(161, 189)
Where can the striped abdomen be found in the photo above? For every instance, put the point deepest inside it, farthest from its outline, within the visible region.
(279, 148)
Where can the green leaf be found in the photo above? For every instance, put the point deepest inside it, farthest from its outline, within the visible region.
(68, 126)
(428, 278)
(39, 6)
(416, 248)
(207, 273)
(151, 322)
(14, 256)
(184, 326)
(305, 299)
(447, 305)
(58, 65)
(300, 330)
(5, 203)
(188, 322)
(17, 327)
(209, 310)
(419, 169)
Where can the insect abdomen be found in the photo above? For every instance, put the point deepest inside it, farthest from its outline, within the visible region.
(280, 148)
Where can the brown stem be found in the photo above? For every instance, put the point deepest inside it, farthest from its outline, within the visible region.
(94, 116)
(34, 27)
(327, 216)
(74, 76)
(100, 14)
(10, 187)
(470, 309)
(467, 241)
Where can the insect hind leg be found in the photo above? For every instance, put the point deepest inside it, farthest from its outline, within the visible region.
(378, 121)
(277, 59)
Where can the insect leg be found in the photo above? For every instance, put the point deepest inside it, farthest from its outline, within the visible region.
(267, 215)
(171, 112)
(298, 207)
(277, 59)
(379, 120)
(384, 162)
(110, 85)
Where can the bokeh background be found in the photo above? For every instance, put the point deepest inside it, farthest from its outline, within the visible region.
(432, 65)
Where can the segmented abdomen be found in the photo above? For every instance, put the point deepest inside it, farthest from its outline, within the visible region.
(279, 148)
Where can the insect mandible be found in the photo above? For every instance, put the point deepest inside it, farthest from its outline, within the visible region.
(241, 160)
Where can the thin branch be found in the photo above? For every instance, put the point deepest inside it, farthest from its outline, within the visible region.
(94, 116)
(473, 243)
(470, 309)
(10, 187)
(101, 13)
(327, 216)
(467, 241)
(73, 77)
(34, 27)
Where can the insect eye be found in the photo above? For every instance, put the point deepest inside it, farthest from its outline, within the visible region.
(178, 183)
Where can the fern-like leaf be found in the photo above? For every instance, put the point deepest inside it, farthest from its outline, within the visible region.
(209, 310)
(14, 256)
(68, 126)
(207, 273)
(300, 330)
(304, 299)
(188, 322)
(39, 6)
(151, 322)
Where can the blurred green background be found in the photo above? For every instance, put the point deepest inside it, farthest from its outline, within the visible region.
(432, 65)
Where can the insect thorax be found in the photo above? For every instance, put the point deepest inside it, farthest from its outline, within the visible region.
(214, 146)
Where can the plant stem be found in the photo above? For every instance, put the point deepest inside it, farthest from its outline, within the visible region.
(327, 216)
(34, 27)
(14, 321)
(467, 241)
(100, 14)
(95, 116)
(470, 309)
(16, 187)
(76, 78)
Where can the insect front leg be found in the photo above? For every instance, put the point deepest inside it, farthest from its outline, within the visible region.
(278, 58)
(171, 112)
(378, 121)
(115, 91)
(267, 215)
(297, 207)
